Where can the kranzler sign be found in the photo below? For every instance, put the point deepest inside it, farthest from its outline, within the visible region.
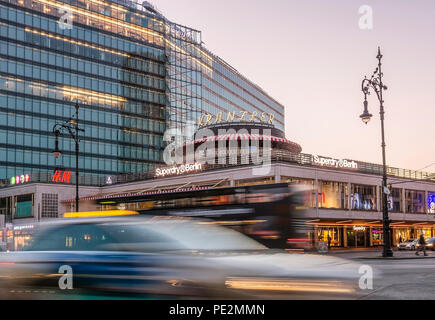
(178, 170)
(230, 117)
(334, 163)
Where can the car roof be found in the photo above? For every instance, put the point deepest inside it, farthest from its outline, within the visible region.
(121, 219)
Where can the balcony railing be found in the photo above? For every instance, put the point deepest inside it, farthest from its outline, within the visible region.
(239, 160)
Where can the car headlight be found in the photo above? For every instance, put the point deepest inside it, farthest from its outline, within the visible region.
(260, 284)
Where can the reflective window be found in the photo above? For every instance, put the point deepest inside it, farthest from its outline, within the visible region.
(415, 202)
(395, 201)
(333, 195)
(363, 197)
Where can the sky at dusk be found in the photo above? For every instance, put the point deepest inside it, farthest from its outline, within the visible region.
(311, 56)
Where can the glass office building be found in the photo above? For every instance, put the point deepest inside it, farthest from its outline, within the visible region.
(133, 73)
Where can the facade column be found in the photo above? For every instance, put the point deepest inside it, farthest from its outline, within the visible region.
(426, 209)
(13, 203)
(316, 194)
(277, 174)
(344, 237)
(403, 201)
(232, 183)
(379, 198)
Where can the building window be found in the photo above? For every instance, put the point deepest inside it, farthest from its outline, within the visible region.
(377, 236)
(363, 197)
(24, 206)
(255, 182)
(414, 201)
(333, 195)
(310, 196)
(431, 202)
(395, 201)
(332, 236)
(50, 205)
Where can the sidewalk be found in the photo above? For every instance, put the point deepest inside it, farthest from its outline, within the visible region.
(364, 254)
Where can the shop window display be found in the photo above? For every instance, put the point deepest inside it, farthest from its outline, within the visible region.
(310, 197)
(363, 197)
(431, 202)
(395, 201)
(377, 237)
(333, 195)
(333, 236)
(415, 201)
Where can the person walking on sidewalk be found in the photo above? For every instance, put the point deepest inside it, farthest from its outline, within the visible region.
(422, 246)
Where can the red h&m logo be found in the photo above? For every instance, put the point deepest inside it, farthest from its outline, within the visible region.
(61, 176)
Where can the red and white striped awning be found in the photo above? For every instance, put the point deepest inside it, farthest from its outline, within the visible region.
(238, 137)
(248, 137)
(135, 194)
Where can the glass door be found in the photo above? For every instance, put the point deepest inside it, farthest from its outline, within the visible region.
(351, 240)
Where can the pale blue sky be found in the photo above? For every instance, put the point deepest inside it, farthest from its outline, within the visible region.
(311, 56)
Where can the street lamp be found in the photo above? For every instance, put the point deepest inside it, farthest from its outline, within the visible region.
(72, 127)
(376, 83)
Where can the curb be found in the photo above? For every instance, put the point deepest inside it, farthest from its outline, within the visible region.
(394, 258)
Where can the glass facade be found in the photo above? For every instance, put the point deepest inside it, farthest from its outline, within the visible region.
(134, 75)
(111, 62)
(225, 89)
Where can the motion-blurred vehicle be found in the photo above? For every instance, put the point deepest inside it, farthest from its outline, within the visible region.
(430, 244)
(270, 214)
(164, 257)
(408, 245)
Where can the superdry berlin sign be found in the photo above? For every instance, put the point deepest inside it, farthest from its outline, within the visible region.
(334, 163)
(178, 170)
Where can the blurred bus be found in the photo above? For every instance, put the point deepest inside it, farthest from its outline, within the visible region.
(271, 214)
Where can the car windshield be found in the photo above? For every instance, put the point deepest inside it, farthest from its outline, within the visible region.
(204, 236)
(139, 237)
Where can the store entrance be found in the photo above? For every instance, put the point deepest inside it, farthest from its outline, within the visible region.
(361, 241)
(357, 239)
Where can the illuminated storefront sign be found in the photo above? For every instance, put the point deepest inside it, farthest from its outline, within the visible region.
(334, 163)
(242, 116)
(61, 177)
(24, 178)
(178, 170)
(23, 227)
(356, 228)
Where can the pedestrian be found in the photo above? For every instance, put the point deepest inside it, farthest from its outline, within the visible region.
(422, 246)
(400, 240)
(329, 242)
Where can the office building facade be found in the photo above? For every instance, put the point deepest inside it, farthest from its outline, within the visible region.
(133, 73)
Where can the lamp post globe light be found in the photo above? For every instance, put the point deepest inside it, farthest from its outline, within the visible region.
(72, 127)
(376, 84)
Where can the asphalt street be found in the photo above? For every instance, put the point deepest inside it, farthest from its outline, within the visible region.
(406, 277)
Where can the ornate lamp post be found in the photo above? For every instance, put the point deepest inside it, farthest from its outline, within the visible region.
(72, 127)
(376, 83)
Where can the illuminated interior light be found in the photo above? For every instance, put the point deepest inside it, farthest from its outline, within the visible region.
(84, 94)
(42, 33)
(114, 21)
(186, 53)
(111, 5)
